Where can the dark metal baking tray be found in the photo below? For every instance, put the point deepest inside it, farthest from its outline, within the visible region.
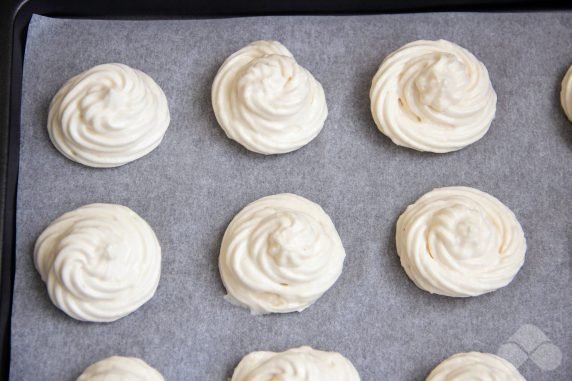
(15, 16)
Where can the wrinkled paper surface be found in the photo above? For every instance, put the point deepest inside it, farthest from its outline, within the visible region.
(191, 186)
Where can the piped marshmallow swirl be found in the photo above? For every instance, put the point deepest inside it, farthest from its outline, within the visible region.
(108, 116)
(459, 241)
(100, 262)
(120, 368)
(280, 254)
(297, 364)
(475, 366)
(432, 96)
(566, 94)
(267, 102)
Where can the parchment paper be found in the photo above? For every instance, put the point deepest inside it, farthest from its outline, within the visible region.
(191, 186)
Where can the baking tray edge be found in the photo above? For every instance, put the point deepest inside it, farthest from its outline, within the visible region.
(14, 19)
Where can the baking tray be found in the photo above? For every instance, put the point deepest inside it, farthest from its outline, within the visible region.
(16, 15)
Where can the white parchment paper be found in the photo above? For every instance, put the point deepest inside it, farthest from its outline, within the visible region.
(191, 186)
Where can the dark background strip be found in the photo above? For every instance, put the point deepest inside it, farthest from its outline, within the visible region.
(15, 16)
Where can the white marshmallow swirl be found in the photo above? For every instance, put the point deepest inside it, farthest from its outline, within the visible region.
(108, 116)
(100, 262)
(267, 102)
(459, 241)
(119, 368)
(475, 366)
(566, 94)
(432, 96)
(280, 254)
(297, 364)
